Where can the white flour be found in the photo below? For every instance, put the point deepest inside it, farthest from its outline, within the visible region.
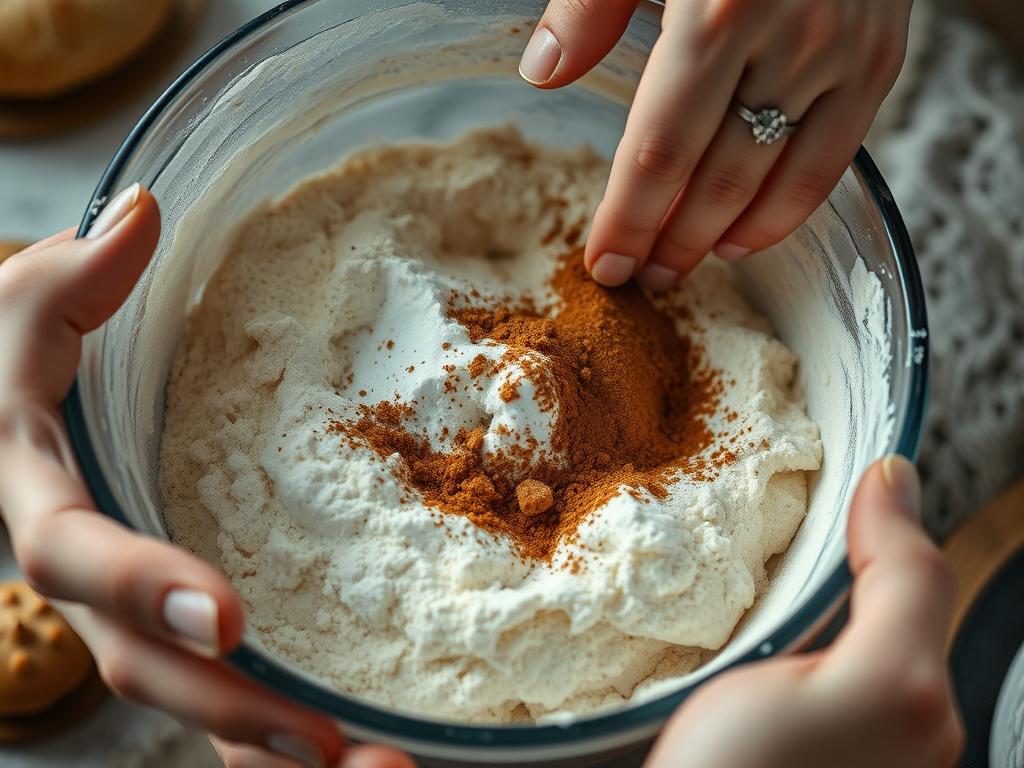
(340, 577)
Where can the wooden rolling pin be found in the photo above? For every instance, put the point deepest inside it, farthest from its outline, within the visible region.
(981, 545)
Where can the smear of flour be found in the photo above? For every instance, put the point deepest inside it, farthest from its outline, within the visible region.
(336, 295)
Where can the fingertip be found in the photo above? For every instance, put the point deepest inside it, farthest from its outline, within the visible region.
(903, 483)
(375, 757)
(540, 57)
(886, 500)
(731, 252)
(613, 269)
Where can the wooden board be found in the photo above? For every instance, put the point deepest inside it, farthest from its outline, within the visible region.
(981, 545)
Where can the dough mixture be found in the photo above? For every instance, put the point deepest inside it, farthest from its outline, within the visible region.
(450, 474)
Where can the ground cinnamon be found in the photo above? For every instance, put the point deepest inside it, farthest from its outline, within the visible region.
(632, 397)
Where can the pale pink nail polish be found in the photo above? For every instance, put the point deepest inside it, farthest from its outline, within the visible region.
(540, 58)
(655, 277)
(613, 269)
(901, 477)
(192, 615)
(115, 211)
(730, 252)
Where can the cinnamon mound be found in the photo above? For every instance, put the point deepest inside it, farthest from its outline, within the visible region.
(633, 398)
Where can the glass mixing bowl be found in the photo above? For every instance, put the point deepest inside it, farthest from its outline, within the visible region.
(296, 89)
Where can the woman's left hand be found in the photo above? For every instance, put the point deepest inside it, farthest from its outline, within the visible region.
(688, 176)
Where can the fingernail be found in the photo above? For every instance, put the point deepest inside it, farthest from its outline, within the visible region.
(296, 748)
(655, 277)
(613, 269)
(540, 58)
(116, 210)
(901, 477)
(730, 252)
(192, 616)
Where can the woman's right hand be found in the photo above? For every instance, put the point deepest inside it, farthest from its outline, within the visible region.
(156, 618)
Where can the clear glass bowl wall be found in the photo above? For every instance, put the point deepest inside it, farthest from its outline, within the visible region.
(292, 93)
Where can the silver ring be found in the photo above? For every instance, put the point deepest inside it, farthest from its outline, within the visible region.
(768, 124)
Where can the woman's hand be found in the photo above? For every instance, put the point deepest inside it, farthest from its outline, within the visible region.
(879, 696)
(688, 176)
(155, 617)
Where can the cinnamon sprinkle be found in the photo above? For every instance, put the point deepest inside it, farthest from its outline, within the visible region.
(632, 396)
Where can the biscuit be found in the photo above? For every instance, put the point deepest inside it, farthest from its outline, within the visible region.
(42, 660)
(49, 47)
(9, 249)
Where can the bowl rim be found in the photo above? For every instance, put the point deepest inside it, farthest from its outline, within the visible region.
(632, 722)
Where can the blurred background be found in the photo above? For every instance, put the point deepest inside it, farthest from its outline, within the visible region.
(949, 140)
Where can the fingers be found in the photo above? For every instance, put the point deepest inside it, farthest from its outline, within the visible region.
(903, 588)
(69, 552)
(242, 756)
(204, 693)
(680, 103)
(52, 293)
(735, 166)
(572, 37)
(812, 164)
(375, 757)
(821, 150)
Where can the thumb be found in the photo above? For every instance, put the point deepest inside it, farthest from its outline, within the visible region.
(53, 293)
(572, 37)
(903, 587)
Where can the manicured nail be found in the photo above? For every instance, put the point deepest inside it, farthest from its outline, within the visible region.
(901, 477)
(730, 252)
(192, 616)
(613, 269)
(655, 277)
(296, 748)
(116, 210)
(540, 58)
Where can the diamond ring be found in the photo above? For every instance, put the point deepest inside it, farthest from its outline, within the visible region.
(768, 124)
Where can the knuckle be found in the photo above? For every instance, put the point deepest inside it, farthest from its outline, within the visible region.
(627, 220)
(922, 703)
(819, 24)
(887, 61)
(809, 189)
(934, 566)
(664, 158)
(729, 187)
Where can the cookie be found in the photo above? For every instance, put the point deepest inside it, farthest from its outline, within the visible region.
(42, 660)
(9, 249)
(49, 47)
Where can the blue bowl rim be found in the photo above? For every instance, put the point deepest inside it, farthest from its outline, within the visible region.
(348, 709)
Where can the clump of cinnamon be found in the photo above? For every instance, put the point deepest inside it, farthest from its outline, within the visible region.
(632, 398)
(534, 497)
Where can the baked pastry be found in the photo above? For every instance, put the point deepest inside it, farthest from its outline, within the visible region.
(42, 660)
(9, 249)
(48, 47)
